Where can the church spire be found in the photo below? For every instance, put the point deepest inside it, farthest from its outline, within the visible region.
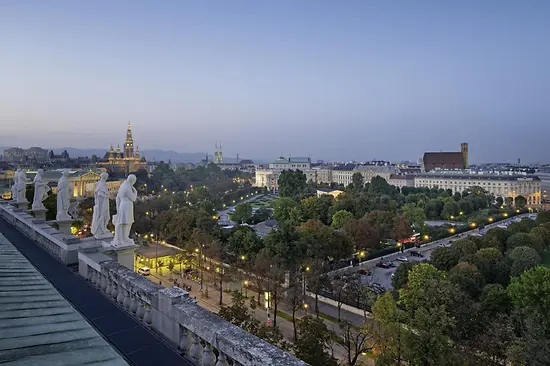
(129, 143)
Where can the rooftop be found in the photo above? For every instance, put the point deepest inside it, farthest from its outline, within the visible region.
(38, 326)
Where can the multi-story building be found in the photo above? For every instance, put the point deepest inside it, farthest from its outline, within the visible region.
(269, 177)
(401, 180)
(500, 185)
(19, 155)
(81, 183)
(127, 162)
(544, 176)
(446, 160)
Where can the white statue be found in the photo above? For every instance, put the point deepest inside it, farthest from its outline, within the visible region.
(124, 217)
(40, 191)
(22, 187)
(14, 187)
(63, 201)
(100, 217)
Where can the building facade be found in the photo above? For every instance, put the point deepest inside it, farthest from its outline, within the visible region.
(19, 155)
(269, 177)
(128, 161)
(446, 160)
(499, 185)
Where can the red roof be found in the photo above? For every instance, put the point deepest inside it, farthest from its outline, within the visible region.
(443, 160)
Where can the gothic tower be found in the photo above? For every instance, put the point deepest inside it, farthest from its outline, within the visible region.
(464, 151)
(129, 143)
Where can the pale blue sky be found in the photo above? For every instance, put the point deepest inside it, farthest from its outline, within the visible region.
(329, 79)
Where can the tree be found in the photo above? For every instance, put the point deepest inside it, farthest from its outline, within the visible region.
(361, 234)
(313, 339)
(340, 218)
(543, 217)
(237, 313)
(444, 258)
(450, 210)
(292, 183)
(282, 208)
(531, 291)
(523, 240)
(379, 185)
(243, 213)
(316, 208)
(489, 262)
(295, 298)
(358, 180)
(467, 277)
(401, 274)
(401, 228)
(509, 201)
(464, 247)
(355, 341)
(520, 202)
(415, 215)
(244, 241)
(433, 209)
(499, 201)
(495, 300)
(497, 238)
(523, 259)
(389, 335)
(543, 233)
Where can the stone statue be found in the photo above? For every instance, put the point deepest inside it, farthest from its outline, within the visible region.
(124, 217)
(40, 191)
(14, 187)
(63, 201)
(100, 217)
(21, 187)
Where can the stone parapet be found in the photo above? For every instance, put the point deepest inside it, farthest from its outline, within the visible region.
(204, 337)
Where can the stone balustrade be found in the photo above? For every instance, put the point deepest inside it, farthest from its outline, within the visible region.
(204, 337)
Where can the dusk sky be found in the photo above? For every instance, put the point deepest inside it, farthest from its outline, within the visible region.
(332, 80)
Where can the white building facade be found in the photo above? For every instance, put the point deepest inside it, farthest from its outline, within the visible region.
(501, 185)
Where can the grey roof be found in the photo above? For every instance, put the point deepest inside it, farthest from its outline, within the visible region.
(377, 168)
(299, 160)
(37, 325)
(502, 177)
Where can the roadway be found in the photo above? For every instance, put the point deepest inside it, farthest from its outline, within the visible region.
(383, 275)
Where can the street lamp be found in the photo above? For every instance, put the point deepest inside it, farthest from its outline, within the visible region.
(490, 219)
(246, 288)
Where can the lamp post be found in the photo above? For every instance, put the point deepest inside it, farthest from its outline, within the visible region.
(246, 288)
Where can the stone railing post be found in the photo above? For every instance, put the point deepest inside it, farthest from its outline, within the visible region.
(133, 304)
(195, 351)
(222, 360)
(140, 312)
(208, 356)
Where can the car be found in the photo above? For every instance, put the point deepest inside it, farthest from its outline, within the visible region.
(364, 272)
(391, 264)
(414, 253)
(383, 264)
(402, 259)
(146, 271)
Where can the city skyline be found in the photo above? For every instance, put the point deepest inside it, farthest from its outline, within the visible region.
(351, 82)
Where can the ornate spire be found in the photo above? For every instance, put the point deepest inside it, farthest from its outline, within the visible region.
(111, 149)
(129, 132)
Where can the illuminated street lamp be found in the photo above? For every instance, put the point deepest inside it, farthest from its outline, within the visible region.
(452, 230)
(246, 288)
(490, 219)
(473, 224)
(505, 214)
(426, 237)
(517, 211)
(461, 213)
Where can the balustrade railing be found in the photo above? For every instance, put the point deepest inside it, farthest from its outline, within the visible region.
(203, 337)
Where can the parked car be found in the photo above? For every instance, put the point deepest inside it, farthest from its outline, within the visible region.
(402, 259)
(364, 272)
(383, 264)
(414, 253)
(146, 271)
(391, 264)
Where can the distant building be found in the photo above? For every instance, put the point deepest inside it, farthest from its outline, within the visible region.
(269, 177)
(401, 180)
(499, 185)
(446, 160)
(127, 162)
(18, 155)
(81, 183)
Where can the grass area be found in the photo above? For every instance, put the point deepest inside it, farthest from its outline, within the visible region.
(546, 258)
(284, 315)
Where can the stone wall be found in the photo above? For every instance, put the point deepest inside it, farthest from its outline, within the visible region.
(204, 337)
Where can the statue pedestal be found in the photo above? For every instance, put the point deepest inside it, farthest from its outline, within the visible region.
(124, 252)
(64, 226)
(104, 236)
(40, 213)
(23, 205)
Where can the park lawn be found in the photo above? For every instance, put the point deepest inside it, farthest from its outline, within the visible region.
(546, 258)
